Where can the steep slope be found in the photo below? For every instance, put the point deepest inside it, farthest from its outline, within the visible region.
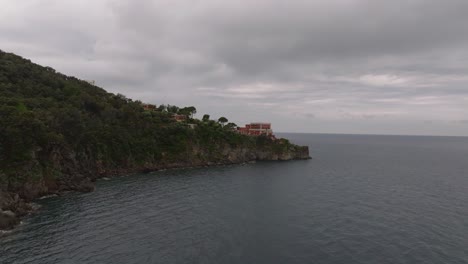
(59, 133)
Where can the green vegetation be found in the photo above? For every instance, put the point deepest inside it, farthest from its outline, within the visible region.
(222, 120)
(52, 125)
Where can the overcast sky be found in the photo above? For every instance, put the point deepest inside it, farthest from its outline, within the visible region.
(333, 66)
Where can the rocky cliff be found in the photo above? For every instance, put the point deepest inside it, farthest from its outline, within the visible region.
(80, 175)
(59, 133)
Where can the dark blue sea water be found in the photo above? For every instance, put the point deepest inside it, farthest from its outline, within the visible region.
(362, 199)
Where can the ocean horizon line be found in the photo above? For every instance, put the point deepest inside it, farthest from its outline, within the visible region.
(371, 134)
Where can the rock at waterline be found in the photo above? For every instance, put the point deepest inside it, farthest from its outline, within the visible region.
(8, 220)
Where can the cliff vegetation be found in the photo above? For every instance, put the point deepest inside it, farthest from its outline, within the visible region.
(59, 133)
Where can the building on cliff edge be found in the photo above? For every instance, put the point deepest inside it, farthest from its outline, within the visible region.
(256, 129)
(179, 118)
(149, 107)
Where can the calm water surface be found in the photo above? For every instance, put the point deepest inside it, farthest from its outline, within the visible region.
(362, 199)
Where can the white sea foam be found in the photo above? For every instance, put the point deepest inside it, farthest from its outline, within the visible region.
(48, 196)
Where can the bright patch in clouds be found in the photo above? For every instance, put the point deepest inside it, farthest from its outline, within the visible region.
(383, 80)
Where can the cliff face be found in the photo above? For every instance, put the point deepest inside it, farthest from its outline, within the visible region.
(59, 133)
(296, 153)
(80, 174)
(12, 207)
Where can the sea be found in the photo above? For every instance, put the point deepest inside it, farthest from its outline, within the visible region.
(361, 199)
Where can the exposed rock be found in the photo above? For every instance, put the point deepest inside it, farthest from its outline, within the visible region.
(8, 220)
(85, 186)
(9, 214)
(76, 176)
(8, 205)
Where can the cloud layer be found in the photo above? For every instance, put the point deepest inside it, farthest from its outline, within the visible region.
(341, 66)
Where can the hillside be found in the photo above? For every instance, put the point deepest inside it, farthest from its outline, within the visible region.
(59, 133)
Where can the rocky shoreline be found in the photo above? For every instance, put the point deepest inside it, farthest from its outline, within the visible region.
(72, 133)
(15, 206)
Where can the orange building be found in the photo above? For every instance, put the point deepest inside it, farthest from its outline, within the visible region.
(149, 107)
(256, 129)
(179, 118)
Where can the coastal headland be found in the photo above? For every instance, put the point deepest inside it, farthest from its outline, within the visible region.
(60, 134)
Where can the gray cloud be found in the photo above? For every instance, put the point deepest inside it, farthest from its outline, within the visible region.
(344, 66)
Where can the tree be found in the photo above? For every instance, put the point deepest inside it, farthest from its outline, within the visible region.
(206, 118)
(230, 126)
(162, 108)
(188, 111)
(222, 120)
(192, 110)
(172, 109)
